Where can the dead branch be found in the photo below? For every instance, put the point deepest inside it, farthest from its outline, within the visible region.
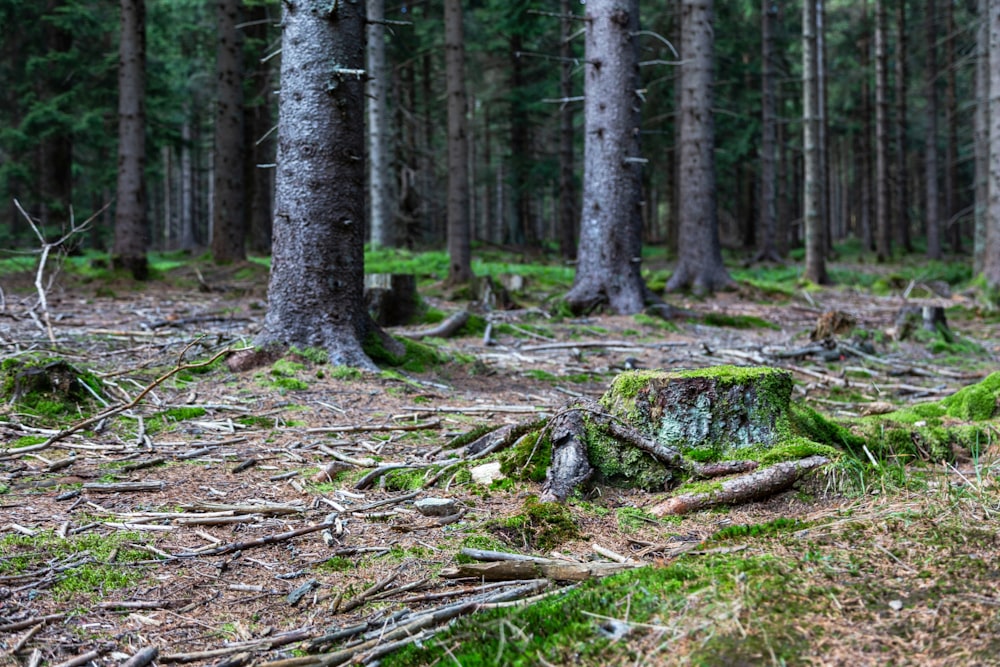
(142, 657)
(259, 542)
(744, 488)
(449, 327)
(557, 570)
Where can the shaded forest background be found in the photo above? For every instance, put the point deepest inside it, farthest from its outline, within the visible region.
(524, 65)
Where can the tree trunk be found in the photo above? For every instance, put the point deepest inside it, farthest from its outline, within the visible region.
(228, 231)
(901, 208)
(865, 138)
(607, 271)
(316, 290)
(567, 188)
(459, 252)
(185, 238)
(522, 228)
(767, 249)
(259, 133)
(700, 265)
(815, 227)
(129, 250)
(381, 233)
(932, 212)
(981, 145)
(883, 227)
(953, 229)
(822, 135)
(991, 258)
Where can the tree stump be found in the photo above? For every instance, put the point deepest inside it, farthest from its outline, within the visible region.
(928, 318)
(391, 298)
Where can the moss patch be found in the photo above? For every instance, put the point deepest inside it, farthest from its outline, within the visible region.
(539, 526)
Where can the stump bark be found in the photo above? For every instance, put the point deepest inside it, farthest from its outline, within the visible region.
(391, 298)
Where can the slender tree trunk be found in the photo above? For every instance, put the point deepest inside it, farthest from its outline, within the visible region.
(521, 232)
(129, 250)
(981, 146)
(259, 134)
(901, 191)
(700, 265)
(953, 230)
(865, 143)
(991, 256)
(228, 230)
(316, 290)
(567, 188)
(932, 211)
(883, 227)
(815, 227)
(381, 233)
(459, 252)
(824, 174)
(607, 272)
(56, 149)
(767, 248)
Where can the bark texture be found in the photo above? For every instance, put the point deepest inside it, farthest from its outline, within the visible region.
(459, 229)
(607, 273)
(991, 257)
(767, 248)
(380, 220)
(700, 264)
(883, 227)
(812, 196)
(228, 230)
(129, 250)
(315, 295)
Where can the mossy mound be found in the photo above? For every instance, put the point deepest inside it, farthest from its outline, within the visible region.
(932, 431)
(47, 388)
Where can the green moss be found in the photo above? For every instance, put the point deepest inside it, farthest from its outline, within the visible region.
(538, 374)
(624, 465)
(337, 564)
(27, 441)
(47, 388)
(796, 448)
(768, 528)
(539, 526)
(528, 459)
(403, 480)
(807, 423)
(481, 542)
(976, 402)
(631, 519)
(416, 357)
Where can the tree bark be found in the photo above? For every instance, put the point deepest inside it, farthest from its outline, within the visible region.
(815, 226)
(129, 250)
(883, 227)
(228, 230)
(459, 252)
(316, 290)
(981, 124)
(700, 265)
(901, 207)
(865, 138)
(380, 225)
(931, 191)
(567, 187)
(991, 257)
(607, 271)
(767, 249)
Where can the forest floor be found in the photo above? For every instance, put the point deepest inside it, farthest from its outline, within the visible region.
(875, 564)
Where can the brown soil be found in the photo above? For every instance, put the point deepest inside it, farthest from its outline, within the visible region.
(186, 604)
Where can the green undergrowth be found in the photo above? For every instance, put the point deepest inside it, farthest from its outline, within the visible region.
(794, 597)
(48, 390)
(103, 561)
(738, 321)
(537, 527)
(417, 357)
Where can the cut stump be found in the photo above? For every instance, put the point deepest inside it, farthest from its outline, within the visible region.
(391, 298)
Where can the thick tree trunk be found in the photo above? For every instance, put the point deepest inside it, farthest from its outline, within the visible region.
(700, 265)
(129, 250)
(883, 227)
(932, 211)
(228, 231)
(607, 272)
(767, 248)
(459, 251)
(380, 225)
(315, 295)
(815, 226)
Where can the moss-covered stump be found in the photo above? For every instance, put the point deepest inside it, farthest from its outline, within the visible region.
(715, 412)
(46, 388)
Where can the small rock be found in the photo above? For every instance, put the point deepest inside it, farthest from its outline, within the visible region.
(896, 605)
(436, 506)
(487, 473)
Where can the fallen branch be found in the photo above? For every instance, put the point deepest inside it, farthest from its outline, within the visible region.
(260, 542)
(556, 570)
(449, 327)
(740, 489)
